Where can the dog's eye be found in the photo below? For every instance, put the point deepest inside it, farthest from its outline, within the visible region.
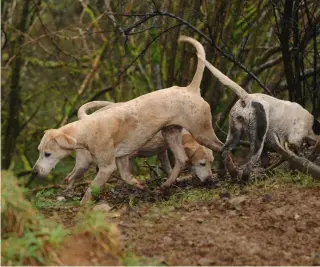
(46, 154)
(203, 163)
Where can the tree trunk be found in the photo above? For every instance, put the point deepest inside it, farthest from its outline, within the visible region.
(298, 56)
(14, 102)
(284, 44)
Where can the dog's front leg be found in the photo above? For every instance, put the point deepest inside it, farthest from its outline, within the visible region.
(165, 162)
(258, 128)
(124, 168)
(234, 135)
(264, 158)
(83, 162)
(173, 137)
(106, 168)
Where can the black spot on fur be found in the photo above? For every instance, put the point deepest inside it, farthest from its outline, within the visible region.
(260, 123)
(316, 127)
(243, 103)
(240, 118)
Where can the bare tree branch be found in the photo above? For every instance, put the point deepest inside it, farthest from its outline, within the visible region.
(146, 17)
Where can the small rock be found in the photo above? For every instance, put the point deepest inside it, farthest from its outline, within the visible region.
(267, 198)
(225, 195)
(161, 259)
(279, 211)
(190, 243)
(60, 198)
(167, 239)
(300, 229)
(200, 220)
(238, 200)
(94, 260)
(102, 207)
(291, 231)
(232, 213)
(206, 262)
(296, 216)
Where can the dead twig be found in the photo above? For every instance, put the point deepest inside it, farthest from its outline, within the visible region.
(275, 165)
(152, 169)
(56, 186)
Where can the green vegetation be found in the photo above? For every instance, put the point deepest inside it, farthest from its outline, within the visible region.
(203, 194)
(130, 259)
(30, 239)
(27, 238)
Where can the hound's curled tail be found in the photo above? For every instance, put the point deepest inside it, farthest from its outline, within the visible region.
(224, 79)
(195, 83)
(82, 112)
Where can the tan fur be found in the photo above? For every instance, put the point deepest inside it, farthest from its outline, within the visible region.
(200, 158)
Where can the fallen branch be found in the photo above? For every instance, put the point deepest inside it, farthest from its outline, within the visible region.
(300, 163)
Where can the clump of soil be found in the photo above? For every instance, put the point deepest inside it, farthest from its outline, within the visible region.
(86, 250)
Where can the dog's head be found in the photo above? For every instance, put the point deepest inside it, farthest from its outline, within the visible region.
(200, 159)
(201, 163)
(54, 146)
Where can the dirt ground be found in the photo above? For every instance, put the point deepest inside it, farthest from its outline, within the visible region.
(278, 228)
(278, 224)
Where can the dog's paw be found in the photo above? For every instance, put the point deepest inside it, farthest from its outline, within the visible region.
(87, 197)
(164, 187)
(141, 186)
(157, 191)
(244, 175)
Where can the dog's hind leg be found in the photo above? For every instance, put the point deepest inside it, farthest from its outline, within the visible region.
(83, 162)
(124, 168)
(172, 135)
(165, 162)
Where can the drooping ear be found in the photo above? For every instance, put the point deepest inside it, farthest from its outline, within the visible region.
(189, 149)
(66, 141)
(209, 154)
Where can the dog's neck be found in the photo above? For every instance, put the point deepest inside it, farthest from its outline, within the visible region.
(72, 130)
